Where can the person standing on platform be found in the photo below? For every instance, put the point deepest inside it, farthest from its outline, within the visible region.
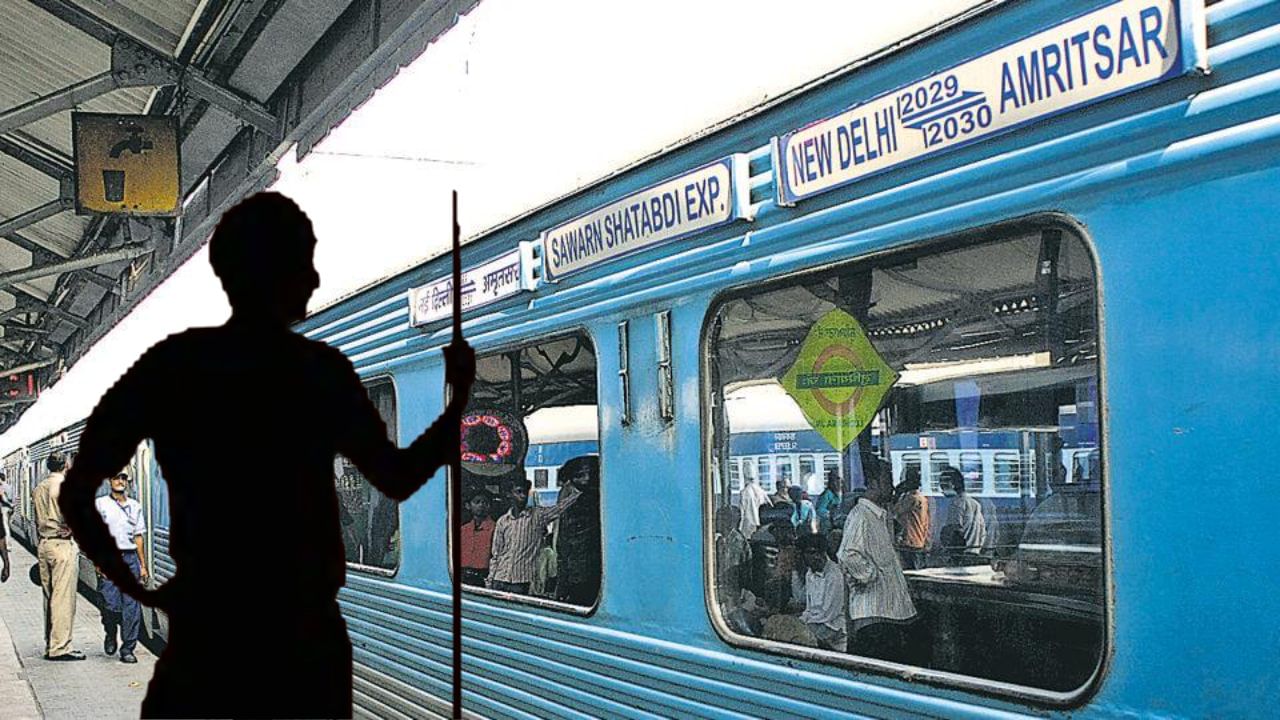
(912, 512)
(477, 540)
(518, 536)
(123, 516)
(59, 562)
(879, 601)
(4, 551)
(824, 594)
(828, 501)
(965, 529)
(210, 393)
(578, 544)
(753, 499)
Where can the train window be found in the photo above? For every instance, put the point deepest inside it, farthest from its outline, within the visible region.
(971, 469)
(910, 464)
(370, 520)
(976, 363)
(765, 471)
(531, 475)
(1007, 473)
(938, 463)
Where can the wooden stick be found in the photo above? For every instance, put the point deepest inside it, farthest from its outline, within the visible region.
(455, 478)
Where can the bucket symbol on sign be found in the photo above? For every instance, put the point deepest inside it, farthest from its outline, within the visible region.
(113, 185)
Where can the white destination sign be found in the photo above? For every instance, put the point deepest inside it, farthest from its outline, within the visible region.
(499, 278)
(712, 195)
(1117, 48)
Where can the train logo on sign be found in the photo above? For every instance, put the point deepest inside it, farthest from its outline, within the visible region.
(838, 380)
(126, 164)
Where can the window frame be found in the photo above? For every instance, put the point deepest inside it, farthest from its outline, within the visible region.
(366, 383)
(825, 660)
(529, 600)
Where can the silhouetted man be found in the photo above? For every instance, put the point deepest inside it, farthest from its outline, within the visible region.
(262, 637)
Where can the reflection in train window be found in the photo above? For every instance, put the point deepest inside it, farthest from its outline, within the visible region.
(975, 364)
(370, 520)
(531, 474)
(1006, 473)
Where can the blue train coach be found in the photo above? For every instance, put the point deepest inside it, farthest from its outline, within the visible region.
(1034, 244)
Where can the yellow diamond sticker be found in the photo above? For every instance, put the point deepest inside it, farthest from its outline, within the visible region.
(839, 380)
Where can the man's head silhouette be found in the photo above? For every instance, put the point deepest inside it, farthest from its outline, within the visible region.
(262, 252)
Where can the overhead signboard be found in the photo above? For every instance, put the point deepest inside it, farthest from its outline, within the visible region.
(126, 164)
(838, 379)
(1115, 49)
(487, 283)
(712, 195)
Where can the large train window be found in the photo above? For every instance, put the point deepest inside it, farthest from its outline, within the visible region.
(959, 527)
(531, 475)
(370, 520)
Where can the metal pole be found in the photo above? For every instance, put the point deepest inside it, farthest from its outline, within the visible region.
(455, 474)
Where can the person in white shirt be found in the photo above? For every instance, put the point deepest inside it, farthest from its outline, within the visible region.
(124, 519)
(753, 498)
(824, 594)
(965, 529)
(879, 601)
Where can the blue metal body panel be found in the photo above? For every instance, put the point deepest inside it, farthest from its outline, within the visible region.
(1176, 188)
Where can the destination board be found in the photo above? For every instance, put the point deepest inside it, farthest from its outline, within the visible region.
(487, 283)
(710, 196)
(1116, 49)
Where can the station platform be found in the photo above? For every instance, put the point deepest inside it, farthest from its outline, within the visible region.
(99, 687)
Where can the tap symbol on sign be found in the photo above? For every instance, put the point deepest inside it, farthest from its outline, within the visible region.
(135, 143)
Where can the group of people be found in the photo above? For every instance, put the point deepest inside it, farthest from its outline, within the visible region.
(829, 571)
(58, 563)
(551, 552)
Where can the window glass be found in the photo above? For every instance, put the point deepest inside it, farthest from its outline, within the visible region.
(531, 474)
(992, 569)
(370, 520)
(1007, 471)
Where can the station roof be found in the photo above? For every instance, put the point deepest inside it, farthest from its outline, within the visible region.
(247, 80)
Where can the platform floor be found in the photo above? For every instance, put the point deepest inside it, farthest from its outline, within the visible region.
(99, 687)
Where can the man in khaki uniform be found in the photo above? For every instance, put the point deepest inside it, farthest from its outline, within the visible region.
(59, 563)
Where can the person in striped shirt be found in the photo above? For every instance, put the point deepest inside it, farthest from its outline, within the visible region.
(880, 604)
(518, 535)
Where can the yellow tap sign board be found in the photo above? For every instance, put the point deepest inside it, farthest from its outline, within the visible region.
(839, 380)
(126, 164)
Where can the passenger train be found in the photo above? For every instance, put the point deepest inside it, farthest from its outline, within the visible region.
(1035, 243)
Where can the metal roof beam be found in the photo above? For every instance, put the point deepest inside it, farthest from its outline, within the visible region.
(57, 101)
(28, 367)
(33, 216)
(33, 304)
(77, 17)
(135, 65)
(42, 157)
(124, 252)
(39, 253)
(239, 106)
